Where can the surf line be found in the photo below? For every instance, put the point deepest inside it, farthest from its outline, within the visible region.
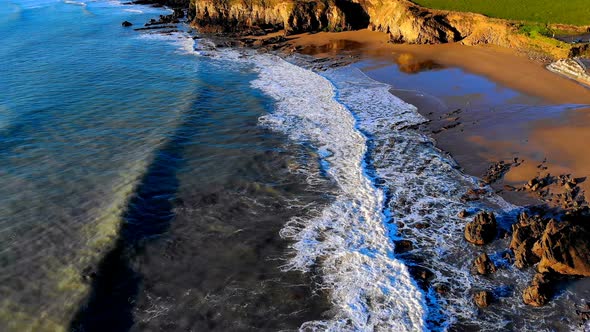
(347, 241)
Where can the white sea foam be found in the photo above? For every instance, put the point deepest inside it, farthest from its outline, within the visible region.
(135, 11)
(424, 188)
(77, 3)
(350, 243)
(347, 242)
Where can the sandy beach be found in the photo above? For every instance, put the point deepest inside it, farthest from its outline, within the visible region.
(544, 123)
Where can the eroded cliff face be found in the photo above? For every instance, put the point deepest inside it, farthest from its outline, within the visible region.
(252, 16)
(407, 22)
(403, 20)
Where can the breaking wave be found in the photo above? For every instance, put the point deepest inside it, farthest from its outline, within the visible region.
(346, 242)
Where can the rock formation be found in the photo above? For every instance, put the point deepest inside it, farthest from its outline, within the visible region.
(538, 293)
(525, 233)
(483, 299)
(483, 265)
(482, 230)
(403, 20)
(254, 16)
(564, 248)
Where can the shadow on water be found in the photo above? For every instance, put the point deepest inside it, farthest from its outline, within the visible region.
(115, 284)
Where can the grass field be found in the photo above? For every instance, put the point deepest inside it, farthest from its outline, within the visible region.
(576, 12)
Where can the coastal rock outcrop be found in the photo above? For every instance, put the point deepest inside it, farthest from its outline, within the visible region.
(483, 265)
(525, 233)
(564, 248)
(482, 230)
(258, 16)
(538, 293)
(403, 20)
(558, 246)
(483, 299)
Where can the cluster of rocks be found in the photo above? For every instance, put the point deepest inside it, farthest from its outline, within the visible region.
(497, 170)
(164, 24)
(558, 247)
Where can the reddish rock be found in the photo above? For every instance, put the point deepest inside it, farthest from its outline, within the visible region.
(538, 293)
(483, 265)
(483, 299)
(482, 229)
(565, 249)
(525, 233)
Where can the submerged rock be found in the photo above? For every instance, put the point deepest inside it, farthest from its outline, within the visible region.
(483, 265)
(126, 24)
(483, 299)
(538, 293)
(482, 229)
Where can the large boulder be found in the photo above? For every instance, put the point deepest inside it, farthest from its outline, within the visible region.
(538, 293)
(482, 230)
(483, 265)
(565, 249)
(525, 233)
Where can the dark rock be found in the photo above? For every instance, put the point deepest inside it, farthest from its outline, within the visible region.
(482, 229)
(497, 170)
(483, 299)
(583, 315)
(126, 24)
(483, 265)
(538, 293)
(463, 214)
(402, 246)
(441, 289)
(422, 225)
(422, 275)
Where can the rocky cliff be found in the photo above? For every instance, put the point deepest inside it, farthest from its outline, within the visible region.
(253, 16)
(403, 20)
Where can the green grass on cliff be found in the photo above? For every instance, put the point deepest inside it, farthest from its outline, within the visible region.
(575, 12)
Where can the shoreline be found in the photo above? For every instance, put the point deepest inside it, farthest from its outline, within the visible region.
(556, 96)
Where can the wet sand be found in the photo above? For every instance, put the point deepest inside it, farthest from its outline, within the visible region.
(485, 104)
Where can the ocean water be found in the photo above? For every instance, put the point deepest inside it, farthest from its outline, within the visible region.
(152, 182)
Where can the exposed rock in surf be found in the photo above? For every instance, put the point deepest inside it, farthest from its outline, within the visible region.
(441, 289)
(584, 313)
(525, 233)
(422, 275)
(483, 265)
(126, 24)
(483, 298)
(463, 214)
(538, 293)
(473, 195)
(402, 246)
(565, 249)
(482, 230)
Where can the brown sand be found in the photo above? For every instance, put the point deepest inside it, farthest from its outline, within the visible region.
(501, 65)
(486, 136)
